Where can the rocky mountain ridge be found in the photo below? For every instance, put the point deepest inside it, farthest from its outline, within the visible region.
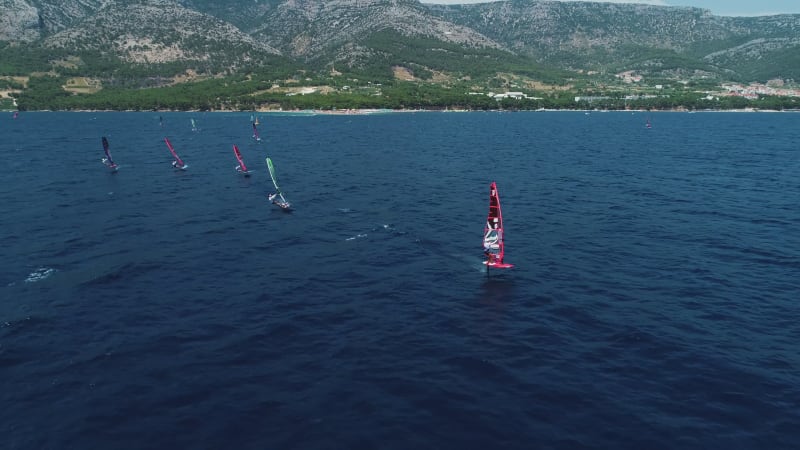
(577, 36)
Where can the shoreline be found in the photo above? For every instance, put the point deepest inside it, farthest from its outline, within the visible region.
(362, 112)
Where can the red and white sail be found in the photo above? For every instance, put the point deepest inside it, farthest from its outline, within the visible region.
(493, 233)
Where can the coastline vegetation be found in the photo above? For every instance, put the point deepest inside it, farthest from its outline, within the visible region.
(252, 92)
(436, 80)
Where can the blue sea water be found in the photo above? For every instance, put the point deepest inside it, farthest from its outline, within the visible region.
(654, 302)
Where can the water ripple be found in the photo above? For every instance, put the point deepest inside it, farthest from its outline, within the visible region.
(652, 304)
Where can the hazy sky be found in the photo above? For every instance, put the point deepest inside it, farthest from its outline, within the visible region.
(717, 7)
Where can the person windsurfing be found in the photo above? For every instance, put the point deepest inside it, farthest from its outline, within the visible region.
(282, 203)
(107, 160)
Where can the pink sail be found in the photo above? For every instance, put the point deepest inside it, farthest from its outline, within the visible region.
(178, 160)
(242, 167)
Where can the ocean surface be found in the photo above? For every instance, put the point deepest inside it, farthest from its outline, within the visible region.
(655, 302)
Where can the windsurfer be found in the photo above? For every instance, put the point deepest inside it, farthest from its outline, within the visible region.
(490, 248)
(493, 233)
(491, 258)
(275, 201)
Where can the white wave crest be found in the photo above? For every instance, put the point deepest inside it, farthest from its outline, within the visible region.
(39, 274)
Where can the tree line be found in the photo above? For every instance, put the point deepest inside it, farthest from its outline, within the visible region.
(242, 93)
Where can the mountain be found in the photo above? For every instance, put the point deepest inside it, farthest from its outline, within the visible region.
(159, 31)
(609, 36)
(541, 39)
(316, 27)
(19, 21)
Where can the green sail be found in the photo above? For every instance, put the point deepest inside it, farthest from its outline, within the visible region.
(272, 174)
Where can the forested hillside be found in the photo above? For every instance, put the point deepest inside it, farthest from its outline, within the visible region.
(103, 51)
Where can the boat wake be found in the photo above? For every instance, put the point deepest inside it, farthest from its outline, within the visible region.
(471, 261)
(389, 228)
(378, 229)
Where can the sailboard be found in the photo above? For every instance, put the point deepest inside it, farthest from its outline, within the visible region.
(255, 133)
(277, 198)
(194, 125)
(16, 114)
(107, 160)
(493, 233)
(178, 163)
(241, 168)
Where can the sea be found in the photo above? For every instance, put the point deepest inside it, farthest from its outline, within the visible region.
(653, 303)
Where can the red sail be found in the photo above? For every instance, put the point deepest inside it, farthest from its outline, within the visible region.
(242, 167)
(493, 245)
(175, 155)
